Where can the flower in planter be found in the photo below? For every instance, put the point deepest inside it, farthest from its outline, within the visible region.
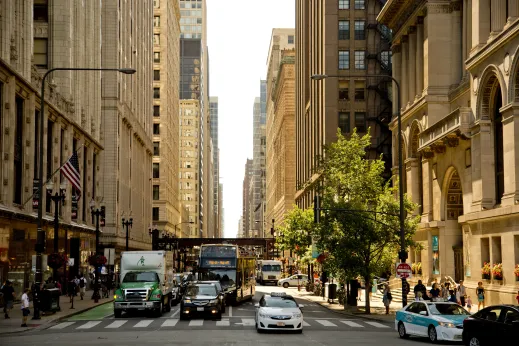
(413, 268)
(419, 268)
(57, 260)
(96, 260)
(486, 270)
(516, 272)
(497, 271)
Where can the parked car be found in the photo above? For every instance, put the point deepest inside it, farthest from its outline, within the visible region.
(497, 324)
(435, 320)
(294, 280)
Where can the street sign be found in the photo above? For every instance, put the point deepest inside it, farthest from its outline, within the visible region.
(403, 270)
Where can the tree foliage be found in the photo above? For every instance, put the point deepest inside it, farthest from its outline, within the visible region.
(296, 229)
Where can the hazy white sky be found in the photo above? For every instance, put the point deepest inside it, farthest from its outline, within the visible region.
(238, 36)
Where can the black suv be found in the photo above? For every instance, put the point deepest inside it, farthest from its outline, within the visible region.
(201, 299)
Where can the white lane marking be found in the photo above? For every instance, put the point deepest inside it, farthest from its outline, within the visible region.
(376, 324)
(62, 325)
(170, 323)
(175, 313)
(352, 324)
(306, 324)
(143, 324)
(314, 311)
(116, 324)
(223, 323)
(248, 321)
(196, 323)
(326, 323)
(230, 311)
(89, 325)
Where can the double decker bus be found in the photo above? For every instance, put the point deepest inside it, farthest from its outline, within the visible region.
(236, 273)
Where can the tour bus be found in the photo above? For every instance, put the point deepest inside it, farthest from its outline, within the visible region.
(236, 273)
(268, 271)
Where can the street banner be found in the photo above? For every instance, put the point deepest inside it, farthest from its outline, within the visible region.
(74, 207)
(110, 256)
(35, 193)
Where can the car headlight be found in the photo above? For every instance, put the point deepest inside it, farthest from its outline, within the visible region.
(187, 300)
(297, 315)
(118, 296)
(262, 315)
(447, 324)
(213, 301)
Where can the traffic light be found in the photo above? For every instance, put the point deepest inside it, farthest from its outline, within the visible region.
(317, 208)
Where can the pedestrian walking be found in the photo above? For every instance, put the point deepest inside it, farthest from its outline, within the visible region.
(8, 292)
(387, 298)
(463, 292)
(72, 289)
(25, 307)
(480, 291)
(82, 286)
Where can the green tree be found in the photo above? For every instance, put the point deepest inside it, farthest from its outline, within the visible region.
(297, 228)
(359, 225)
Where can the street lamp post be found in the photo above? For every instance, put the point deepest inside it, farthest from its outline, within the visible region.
(402, 254)
(40, 240)
(127, 224)
(56, 198)
(96, 213)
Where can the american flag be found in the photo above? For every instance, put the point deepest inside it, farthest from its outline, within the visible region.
(71, 171)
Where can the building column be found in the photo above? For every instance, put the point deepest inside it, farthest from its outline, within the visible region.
(456, 48)
(404, 83)
(419, 55)
(482, 152)
(427, 176)
(413, 180)
(397, 74)
(511, 154)
(497, 16)
(480, 23)
(513, 11)
(412, 64)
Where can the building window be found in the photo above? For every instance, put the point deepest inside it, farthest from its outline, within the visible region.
(344, 29)
(360, 32)
(40, 11)
(498, 147)
(18, 152)
(156, 148)
(156, 3)
(344, 4)
(156, 57)
(344, 90)
(156, 129)
(360, 87)
(40, 52)
(156, 93)
(156, 38)
(155, 192)
(155, 212)
(156, 21)
(360, 60)
(360, 4)
(344, 122)
(385, 58)
(360, 121)
(156, 75)
(156, 170)
(156, 111)
(290, 39)
(344, 60)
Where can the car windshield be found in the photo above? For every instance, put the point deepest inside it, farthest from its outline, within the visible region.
(202, 290)
(141, 277)
(271, 268)
(446, 309)
(279, 302)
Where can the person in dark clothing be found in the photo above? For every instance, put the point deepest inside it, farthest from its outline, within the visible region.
(8, 292)
(420, 287)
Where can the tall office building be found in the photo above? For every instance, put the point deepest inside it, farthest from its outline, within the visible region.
(35, 37)
(281, 156)
(258, 160)
(220, 212)
(194, 85)
(213, 117)
(166, 164)
(351, 49)
(246, 200)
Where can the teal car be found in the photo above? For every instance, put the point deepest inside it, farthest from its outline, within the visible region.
(435, 320)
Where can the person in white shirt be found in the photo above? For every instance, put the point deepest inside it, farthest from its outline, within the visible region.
(25, 307)
(463, 292)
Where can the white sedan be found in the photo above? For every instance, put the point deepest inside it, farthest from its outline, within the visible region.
(294, 281)
(278, 311)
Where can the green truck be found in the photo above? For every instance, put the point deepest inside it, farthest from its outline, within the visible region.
(147, 283)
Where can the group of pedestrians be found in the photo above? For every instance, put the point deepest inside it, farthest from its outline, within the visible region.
(455, 293)
(9, 295)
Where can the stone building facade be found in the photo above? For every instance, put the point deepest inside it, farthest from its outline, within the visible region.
(281, 155)
(36, 36)
(246, 203)
(458, 66)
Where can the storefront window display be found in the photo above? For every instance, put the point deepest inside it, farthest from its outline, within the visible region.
(435, 255)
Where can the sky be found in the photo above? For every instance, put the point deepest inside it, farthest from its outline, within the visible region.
(238, 38)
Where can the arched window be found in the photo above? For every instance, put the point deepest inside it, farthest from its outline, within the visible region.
(498, 146)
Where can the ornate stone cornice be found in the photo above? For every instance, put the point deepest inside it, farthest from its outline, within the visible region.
(456, 5)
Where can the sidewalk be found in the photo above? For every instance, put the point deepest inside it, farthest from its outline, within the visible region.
(378, 311)
(12, 325)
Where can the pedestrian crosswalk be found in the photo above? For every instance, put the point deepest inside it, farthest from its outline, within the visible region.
(129, 324)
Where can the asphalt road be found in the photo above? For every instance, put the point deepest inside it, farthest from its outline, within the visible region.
(99, 327)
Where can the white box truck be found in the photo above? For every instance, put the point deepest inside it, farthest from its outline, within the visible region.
(146, 282)
(268, 271)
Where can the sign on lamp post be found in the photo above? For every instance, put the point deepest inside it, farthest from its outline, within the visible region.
(403, 271)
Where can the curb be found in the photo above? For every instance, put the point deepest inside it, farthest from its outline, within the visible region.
(50, 321)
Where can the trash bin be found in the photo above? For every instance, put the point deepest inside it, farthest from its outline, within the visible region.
(49, 300)
(332, 291)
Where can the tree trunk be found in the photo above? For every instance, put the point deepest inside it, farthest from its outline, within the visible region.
(367, 290)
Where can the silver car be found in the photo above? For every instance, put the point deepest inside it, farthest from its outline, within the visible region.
(294, 280)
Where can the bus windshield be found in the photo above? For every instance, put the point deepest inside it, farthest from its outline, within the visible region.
(271, 268)
(226, 277)
(218, 251)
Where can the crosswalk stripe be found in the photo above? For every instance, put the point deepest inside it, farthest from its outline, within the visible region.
(62, 325)
(376, 324)
(223, 323)
(352, 324)
(196, 323)
(248, 321)
(143, 324)
(89, 325)
(170, 323)
(306, 324)
(116, 324)
(326, 323)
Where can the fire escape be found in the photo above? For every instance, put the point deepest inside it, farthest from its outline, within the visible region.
(379, 107)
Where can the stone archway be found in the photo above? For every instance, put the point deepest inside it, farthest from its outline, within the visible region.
(453, 231)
